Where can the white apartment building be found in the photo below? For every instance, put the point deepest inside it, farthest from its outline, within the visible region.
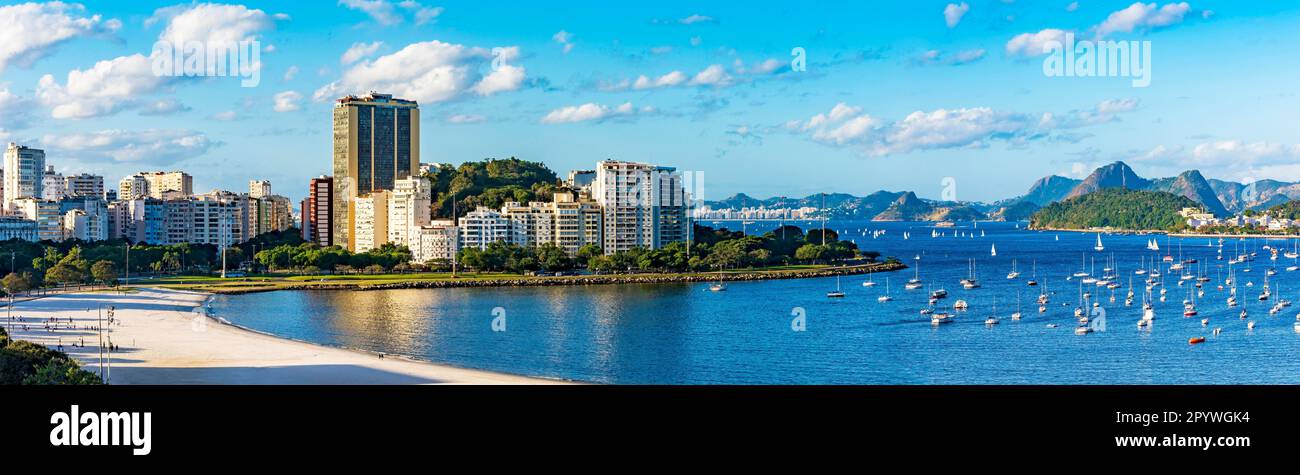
(132, 188)
(409, 208)
(49, 222)
(644, 205)
(93, 223)
(259, 188)
(24, 172)
(437, 240)
(370, 220)
(532, 224)
(482, 226)
(84, 184)
(53, 186)
(577, 222)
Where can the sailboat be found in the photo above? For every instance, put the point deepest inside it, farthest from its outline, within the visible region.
(994, 250)
(915, 282)
(837, 293)
(1033, 279)
(970, 282)
(1016, 316)
(1013, 274)
(719, 286)
(869, 282)
(993, 319)
(1099, 247)
(886, 297)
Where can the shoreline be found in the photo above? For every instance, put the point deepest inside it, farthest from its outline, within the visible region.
(241, 287)
(163, 336)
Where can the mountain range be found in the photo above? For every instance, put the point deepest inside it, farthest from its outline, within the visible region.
(1222, 198)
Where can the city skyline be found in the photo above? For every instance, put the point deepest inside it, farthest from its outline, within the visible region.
(888, 90)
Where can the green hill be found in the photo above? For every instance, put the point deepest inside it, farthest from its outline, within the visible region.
(491, 182)
(1115, 208)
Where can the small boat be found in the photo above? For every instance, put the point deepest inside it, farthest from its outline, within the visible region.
(1250, 325)
(1082, 330)
(993, 251)
(837, 293)
(1014, 273)
(938, 294)
(940, 318)
(1099, 247)
(1196, 340)
(960, 305)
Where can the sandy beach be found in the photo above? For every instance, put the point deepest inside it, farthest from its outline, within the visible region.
(162, 337)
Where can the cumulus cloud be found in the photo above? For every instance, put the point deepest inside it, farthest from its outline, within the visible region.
(1142, 15)
(675, 78)
(847, 125)
(591, 111)
(388, 13)
(359, 51)
(125, 82)
(287, 101)
(1033, 44)
(432, 71)
(564, 38)
(953, 12)
(290, 73)
(150, 146)
(32, 30)
(714, 75)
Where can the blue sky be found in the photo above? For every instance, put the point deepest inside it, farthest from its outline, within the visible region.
(896, 95)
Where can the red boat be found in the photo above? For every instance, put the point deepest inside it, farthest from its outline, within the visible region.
(1193, 341)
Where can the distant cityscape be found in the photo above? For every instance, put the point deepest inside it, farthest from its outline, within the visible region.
(380, 193)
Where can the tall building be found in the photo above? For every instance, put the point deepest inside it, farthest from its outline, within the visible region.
(49, 223)
(644, 205)
(376, 143)
(84, 184)
(409, 208)
(53, 187)
(370, 227)
(24, 173)
(577, 221)
(132, 188)
(259, 188)
(270, 213)
(317, 213)
(160, 185)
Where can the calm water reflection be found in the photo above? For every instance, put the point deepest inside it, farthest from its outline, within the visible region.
(681, 333)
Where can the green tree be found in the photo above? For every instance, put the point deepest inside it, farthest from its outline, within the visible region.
(104, 271)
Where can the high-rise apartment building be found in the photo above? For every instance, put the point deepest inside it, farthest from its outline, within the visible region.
(644, 205)
(49, 223)
(24, 174)
(376, 143)
(160, 185)
(84, 184)
(259, 188)
(317, 212)
(370, 224)
(133, 188)
(53, 187)
(409, 208)
(484, 226)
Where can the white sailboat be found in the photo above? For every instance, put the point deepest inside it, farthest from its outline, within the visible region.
(1099, 247)
(1014, 273)
(886, 297)
(993, 251)
(837, 293)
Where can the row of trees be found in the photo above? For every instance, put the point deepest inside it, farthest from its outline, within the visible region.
(1116, 208)
(24, 362)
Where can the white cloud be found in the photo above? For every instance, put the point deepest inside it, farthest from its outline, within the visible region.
(565, 38)
(381, 11)
(163, 107)
(106, 88)
(225, 116)
(359, 51)
(1032, 44)
(423, 14)
(466, 119)
(32, 30)
(953, 12)
(675, 78)
(936, 57)
(714, 75)
(1142, 15)
(290, 73)
(696, 18)
(151, 146)
(287, 101)
(212, 23)
(975, 127)
(592, 112)
(431, 71)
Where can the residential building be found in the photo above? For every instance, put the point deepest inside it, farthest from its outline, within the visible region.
(370, 226)
(482, 226)
(643, 205)
(94, 221)
(84, 184)
(133, 188)
(577, 221)
(532, 224)
(376, 143)
(16, 227)
(259, 188)
(409, 207)
(24, 174)
(439, 240)
(318, 212)
(49, 223)
(53, 187)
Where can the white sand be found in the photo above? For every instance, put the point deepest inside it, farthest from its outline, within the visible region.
(163, 339)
